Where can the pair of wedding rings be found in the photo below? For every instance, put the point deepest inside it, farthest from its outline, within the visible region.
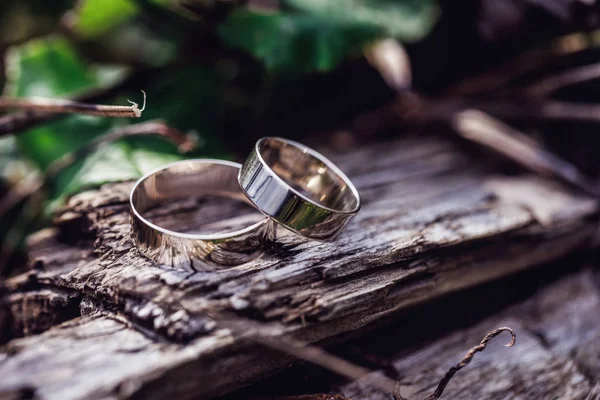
(291, 184)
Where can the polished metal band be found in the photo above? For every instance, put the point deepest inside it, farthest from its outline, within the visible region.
(194, 179)
(299, 188)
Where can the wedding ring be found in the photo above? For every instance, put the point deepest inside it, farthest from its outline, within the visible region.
(299, 188)
(194, 179)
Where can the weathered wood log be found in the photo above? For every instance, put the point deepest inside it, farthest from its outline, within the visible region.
(434, 221)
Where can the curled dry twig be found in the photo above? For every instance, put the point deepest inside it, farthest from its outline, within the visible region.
(20, 121)
(60, 106)
(468, 357)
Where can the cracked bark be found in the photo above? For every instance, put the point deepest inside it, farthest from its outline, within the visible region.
(434, 221)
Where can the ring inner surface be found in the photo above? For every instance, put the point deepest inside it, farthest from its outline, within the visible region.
(308, 175)
(195, 198)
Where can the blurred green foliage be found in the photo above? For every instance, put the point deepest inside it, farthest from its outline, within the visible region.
(291, 43)
(95, 17)
(217, 69)
(407, 20)
(51, 67)
(317, 35)
(302, 37)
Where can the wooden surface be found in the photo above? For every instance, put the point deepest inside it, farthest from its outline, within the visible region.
(557, 355)
(434, 221)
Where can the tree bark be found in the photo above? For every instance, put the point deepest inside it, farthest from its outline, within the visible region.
(105, 322)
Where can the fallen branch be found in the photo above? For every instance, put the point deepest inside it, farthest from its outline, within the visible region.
(549, 85)
(498, 78)
(59, 106)
(468, 357)
(485, 130)
(563, 110)
(16, 122)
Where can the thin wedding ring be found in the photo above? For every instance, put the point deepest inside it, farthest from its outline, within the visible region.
(194, 179)
(299, 188)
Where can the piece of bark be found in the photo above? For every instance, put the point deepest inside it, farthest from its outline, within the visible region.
(431, 223)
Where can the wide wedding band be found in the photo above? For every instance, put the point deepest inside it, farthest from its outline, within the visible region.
(299, 188)
(194, 179)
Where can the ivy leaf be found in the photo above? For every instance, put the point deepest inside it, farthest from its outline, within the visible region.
(116, 162)
(96, 17)
(47, 67)
(407, 20)
(316, 35)
(93, 18)
(295, 43)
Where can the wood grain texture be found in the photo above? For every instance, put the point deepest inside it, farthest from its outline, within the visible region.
(434, 221)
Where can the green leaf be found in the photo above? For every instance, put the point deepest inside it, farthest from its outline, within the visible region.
(50, 141)
(47, 67)
(407, 20)
(93, 18)
(96, 17)
(116, 162)
(295, 43)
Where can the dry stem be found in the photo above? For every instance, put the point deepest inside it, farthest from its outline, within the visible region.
(468, 357)
(59, 106)
(569, 77)
(485, 130)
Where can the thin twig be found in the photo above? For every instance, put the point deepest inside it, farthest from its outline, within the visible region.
(33, 183)
(467, 359)
(527, 62)
(516, 109)
(60, 106)
(570, 77)
(19, 121)
(564, 110)
(485, 130)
